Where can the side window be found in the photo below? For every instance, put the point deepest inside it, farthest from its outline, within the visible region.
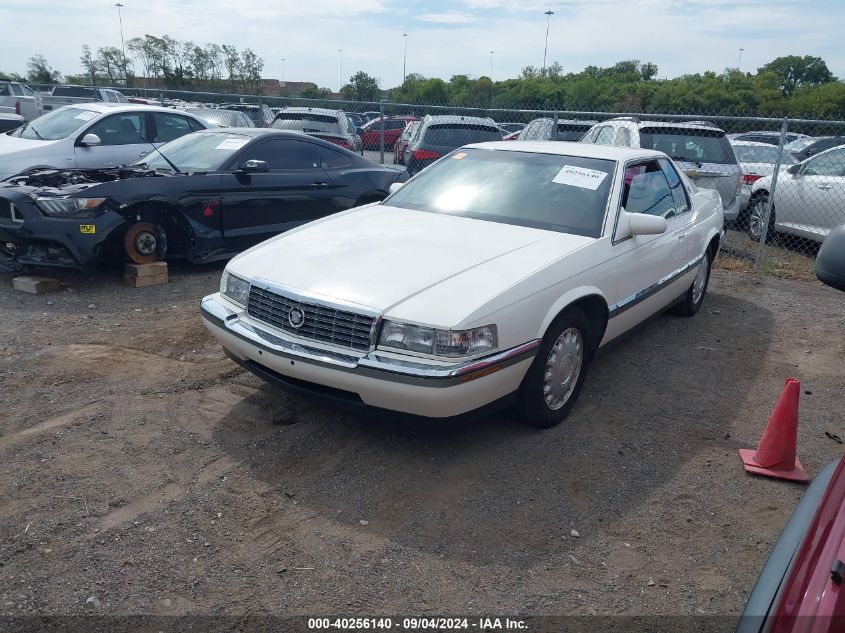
(527, 131)
(17, 89)
(544, 131)
(170, 126)
(195, 125)
(4, 90)
(623, 137)
(679, 194)
(604, 136)
(126, 128)
(28, 91)
(647, 190)
(330, 159)
(285, 154)
(831, 164)
(590, 136)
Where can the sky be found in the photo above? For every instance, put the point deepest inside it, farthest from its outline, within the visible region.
(444, 37)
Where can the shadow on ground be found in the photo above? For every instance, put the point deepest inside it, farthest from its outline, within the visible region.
(495, 491)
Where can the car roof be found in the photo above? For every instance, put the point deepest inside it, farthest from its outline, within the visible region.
(670, 124)
(302, 110)
(559, 121)
(750, 143)
(570, 148)
(100, 106)
(458, 118)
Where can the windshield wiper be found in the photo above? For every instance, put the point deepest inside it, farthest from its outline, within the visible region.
(175, 168)
(686, 160)
(40, 138)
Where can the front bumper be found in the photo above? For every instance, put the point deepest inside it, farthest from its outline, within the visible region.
(413, 386)
(33, 238)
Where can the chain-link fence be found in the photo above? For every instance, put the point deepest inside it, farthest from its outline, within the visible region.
(782, 181)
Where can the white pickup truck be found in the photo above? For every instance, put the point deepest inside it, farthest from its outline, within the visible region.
(18, 98)
(74, 95)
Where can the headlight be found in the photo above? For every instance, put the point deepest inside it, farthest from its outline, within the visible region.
(448, 343)
(71, 207)
(235, 288)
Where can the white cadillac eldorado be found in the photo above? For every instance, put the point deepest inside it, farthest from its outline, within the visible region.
(488, 280)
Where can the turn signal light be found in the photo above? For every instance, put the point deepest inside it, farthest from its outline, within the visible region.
(425, 154)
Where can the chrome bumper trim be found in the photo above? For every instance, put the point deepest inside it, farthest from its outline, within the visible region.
(370, 364)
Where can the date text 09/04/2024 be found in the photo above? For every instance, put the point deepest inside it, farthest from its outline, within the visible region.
(417, 624)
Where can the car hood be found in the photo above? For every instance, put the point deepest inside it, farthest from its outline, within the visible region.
(425, 267)
(13, 144)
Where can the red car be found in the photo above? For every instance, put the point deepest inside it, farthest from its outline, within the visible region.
(402, 142)
(393, 125)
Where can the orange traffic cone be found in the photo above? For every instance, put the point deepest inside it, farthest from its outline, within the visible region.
(775, 457)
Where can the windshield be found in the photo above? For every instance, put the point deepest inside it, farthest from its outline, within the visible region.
(305, 122)
(571, 132)
(196, 152)
(55, 125)
(74, 91)
(696, 145)
(761, 154)
(559, 193)
(799, 144)
(455, 134)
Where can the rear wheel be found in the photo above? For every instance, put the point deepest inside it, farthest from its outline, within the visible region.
(553, 382)
(144, 243)
(694, 297)
(757, 216)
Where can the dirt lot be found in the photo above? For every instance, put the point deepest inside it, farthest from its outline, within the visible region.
(142, 467)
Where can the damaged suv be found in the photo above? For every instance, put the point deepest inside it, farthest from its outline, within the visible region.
(204, 196)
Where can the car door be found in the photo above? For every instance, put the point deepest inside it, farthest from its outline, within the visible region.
(820, 195)
(294, 191)
(651, 270)
(121, 140)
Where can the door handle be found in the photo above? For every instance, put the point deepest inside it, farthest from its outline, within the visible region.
(824, 185)
(320, 184)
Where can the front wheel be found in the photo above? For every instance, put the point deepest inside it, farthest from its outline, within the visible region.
(694, 297)
(553, 382)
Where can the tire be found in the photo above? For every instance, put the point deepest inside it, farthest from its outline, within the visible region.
(144, 243)
(694, 297)
(756, 215)
(542, 403)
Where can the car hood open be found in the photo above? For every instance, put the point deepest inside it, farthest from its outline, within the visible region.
(381, 256)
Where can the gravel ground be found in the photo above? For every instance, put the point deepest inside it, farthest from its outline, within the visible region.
(143, 468)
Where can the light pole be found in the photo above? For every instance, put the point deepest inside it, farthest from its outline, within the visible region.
(491, 65)
(339, 69)
(739, 62)
(283, 71)
(122, 45)
(548, 15)
(404, 55)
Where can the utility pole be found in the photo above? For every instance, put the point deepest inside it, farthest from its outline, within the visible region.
(491, 65)
(548, 15)
(283, 71)
(404, 55)
(739, 62)
(122, 45)
(339, 69)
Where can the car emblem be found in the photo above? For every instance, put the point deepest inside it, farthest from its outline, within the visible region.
(296, 317)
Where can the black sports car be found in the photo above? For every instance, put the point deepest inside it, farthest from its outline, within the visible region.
(204, 196)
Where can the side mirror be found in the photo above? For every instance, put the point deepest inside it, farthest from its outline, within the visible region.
(641, 224)
(394, 187)
(794, 169)
(254, 167)
(90, 140)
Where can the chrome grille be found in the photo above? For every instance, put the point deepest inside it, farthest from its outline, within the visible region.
(321, 323)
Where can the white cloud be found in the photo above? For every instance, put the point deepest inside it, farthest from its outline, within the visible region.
(447, 18)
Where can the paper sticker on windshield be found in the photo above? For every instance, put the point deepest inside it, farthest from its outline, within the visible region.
(233, 143)
(459, 156)
(580, 177)
(85, 115)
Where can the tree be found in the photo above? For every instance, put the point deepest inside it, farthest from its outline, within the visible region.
(794, 72)
(232, 64)
(39, 71)
(251, 67)
(313, 92)
(361, 87)
(110, 62)
(89, 65)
